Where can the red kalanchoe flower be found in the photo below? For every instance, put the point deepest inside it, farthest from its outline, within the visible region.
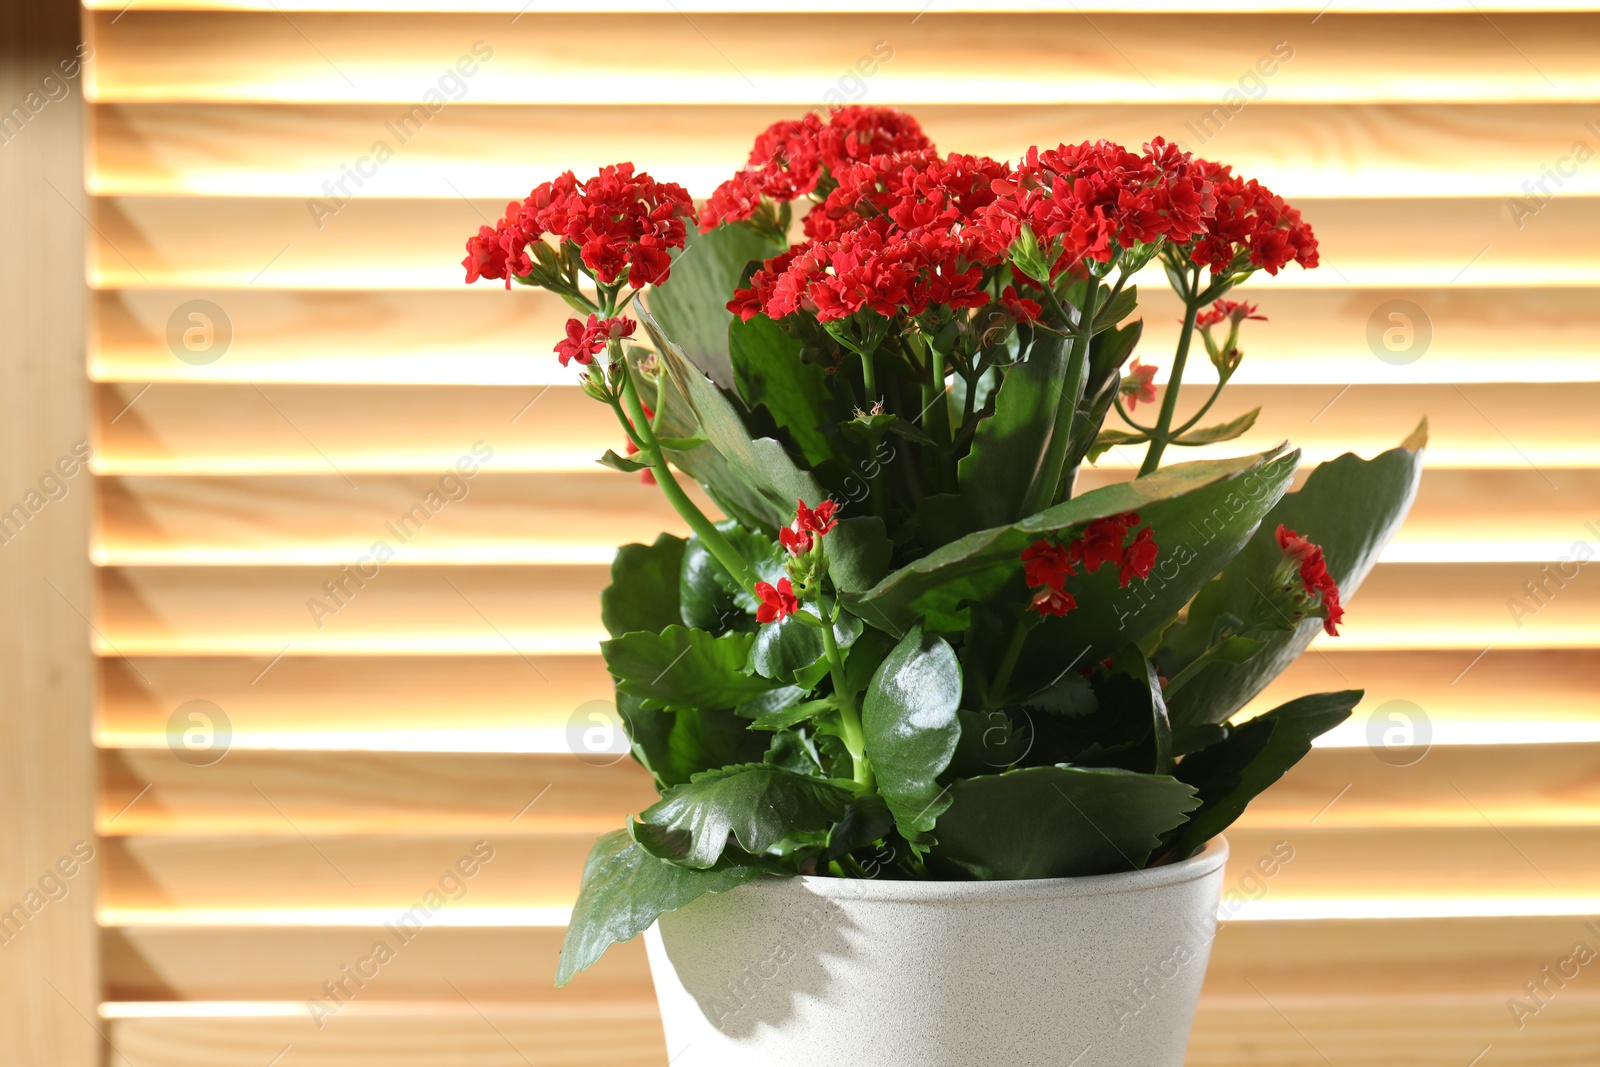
(818, 520)
(1251, 220)
(1101, 541)
(796, 542)
(777, 602)
(1048, 601)
(1316, 583)
(1230, 311)
(1138, 557)
(1018, 307)
(584, 340)
(1046, 564)
(1139, 386)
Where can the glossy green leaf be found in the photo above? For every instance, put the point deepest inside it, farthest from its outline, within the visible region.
(643, 594)
(620, 463)
(909, 719)
(1231, 773)
(1202, 513)
(1056, 822)
(709, 597)
(783, 649)
(1351, 507)
(758, 804)
(674, 746)
(625, 890)
(1226, 431)
(692, 304)
(769, 370)
(998, 473)
(683, 668)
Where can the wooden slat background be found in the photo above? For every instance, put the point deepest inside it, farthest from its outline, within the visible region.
(368, 753)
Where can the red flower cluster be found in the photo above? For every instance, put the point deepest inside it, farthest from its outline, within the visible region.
(777, 602)
(1232, 312)
(1138, 386)
(872, 266)
(622, 222)
(1096, 199)
(1251, 218)
(914, 190)
(788, 159)
(1315, 581)
(584, 340)
(809, 524)
(1047, 565)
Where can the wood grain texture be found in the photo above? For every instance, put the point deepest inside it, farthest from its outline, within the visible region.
(416, 338)
(48, 961)
(351, 431)
(193, 242)
(943, 58)
(1309, 150)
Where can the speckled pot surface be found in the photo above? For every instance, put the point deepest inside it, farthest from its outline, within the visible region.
(1067, 972)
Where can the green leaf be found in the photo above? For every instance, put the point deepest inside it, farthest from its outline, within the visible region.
(1231, 773)
(759, 804)
(674, 746)
(909, 719)
(1201, 514)
(692, 304)
(1056, 822)
(783, 718)
(858, 551)
(784, 649)
(793, 751)
(865, 821)
(1106, 440)
(1238, 650)
(680, 444)
(1351, 507)
(643, 594)
(760, 463)
(770, 371)
(991, 741)
(709, 597)
(997, 475)
(1226, 431)
(683, 668)
(620, 463)
(625, 889)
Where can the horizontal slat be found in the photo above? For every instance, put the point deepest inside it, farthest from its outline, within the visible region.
(913, 7)
(1300, 150)
(538, 518)
(500, 703)
(1459, 516)
(233, 243)
(182, 880)
(355, 430)
(153, 793)
(1317, 335)
(155, 56)
(199, 611)
(1360, 1031)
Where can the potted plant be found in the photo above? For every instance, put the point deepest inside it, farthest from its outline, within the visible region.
(943, 744)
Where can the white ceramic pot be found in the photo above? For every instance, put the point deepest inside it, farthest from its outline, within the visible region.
(1064, 972)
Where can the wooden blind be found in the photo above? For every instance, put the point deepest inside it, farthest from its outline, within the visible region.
(285, 364)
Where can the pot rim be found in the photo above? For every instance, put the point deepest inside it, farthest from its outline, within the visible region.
(1202, 864)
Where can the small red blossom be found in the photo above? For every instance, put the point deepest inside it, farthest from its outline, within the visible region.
(818, 520)
(796, 542)
(1316, 583)
(1139, 386)
(1048, 601)
(1232, 312)
(1018, 307)
(1251, 223)
(1046, 564)
(584, 340)
(1138, 557)
(777, 602)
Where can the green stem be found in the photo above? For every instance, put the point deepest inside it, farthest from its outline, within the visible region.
(1129, 418)
(650, 448)
(1196, 665)
(1050, 471)
(1008, 664)
(869, 376)
(1161, 436)
(1212, 399)
(849, 718)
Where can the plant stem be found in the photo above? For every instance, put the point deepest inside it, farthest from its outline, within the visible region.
(650, 448)
(869, 376)
(1050, 470)
(850, 719)
(1008, 664)
(1196, 665)
(1212, 399)
(1161, 436)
